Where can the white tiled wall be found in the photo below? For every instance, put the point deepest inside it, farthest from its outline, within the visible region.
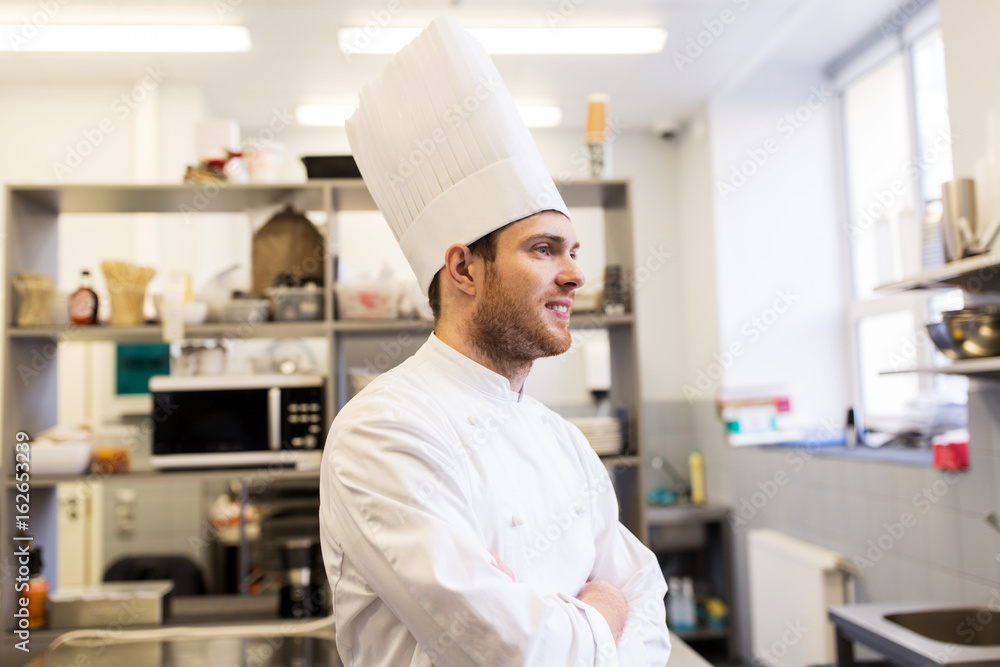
(168, 521)
(949, 552)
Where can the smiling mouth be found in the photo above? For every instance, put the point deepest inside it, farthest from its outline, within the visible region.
(558, 308)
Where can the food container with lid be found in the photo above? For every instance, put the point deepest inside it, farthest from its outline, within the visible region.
(367, 300)
(296, 303)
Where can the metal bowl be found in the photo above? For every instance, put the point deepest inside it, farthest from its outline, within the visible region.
(968, 334)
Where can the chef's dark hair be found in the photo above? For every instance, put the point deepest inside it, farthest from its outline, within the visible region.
(485, 247)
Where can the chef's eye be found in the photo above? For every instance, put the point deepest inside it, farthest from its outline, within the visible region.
(544, 249)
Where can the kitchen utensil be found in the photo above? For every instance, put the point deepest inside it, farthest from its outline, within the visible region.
(938, 331)
(968, 333)
(959, 199)
(127, 286)
(195, 312)
(986, 242)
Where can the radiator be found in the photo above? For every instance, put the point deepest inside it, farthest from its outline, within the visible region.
(792, 584)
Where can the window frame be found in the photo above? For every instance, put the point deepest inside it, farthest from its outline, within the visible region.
(864, 58)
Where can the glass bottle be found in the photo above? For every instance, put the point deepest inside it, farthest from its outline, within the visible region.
(37, 592)
(83, 302)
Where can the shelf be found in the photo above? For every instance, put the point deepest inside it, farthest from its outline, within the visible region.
(886, 454)
(620, 459)
(210, 474)
(684, 514)
(975, 274)
(986, 368)
(702, 633)
(588, 192)
(37, 213)
(363, 327)
(182, 198)
(154, 332)
(177, 198)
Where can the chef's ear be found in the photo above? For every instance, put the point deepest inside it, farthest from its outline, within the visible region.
(460, 268)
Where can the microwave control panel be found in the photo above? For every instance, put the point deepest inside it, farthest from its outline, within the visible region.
(304, 423)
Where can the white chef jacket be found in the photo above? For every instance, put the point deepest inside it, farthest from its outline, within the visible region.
(431, 468)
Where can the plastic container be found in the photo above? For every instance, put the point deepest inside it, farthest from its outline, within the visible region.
(37, 593)
(367, 300)
(680, 604)
(295, 304)
(331, 166)
(246, 310)
(61, 458)
(951, 450)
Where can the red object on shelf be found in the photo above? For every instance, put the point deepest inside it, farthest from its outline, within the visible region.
(951, 455)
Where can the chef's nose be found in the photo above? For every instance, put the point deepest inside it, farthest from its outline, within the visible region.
(570, 274)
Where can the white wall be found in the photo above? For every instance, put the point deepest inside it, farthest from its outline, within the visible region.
(781, 259)
(698, 256)
(972, 61)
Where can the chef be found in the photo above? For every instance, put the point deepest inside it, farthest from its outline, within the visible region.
(462, 522)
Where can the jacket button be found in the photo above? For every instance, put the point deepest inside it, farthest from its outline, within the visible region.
(517, 520)
(472, 420)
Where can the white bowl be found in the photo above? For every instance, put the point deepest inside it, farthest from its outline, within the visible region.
(61, 458)
(195, 312)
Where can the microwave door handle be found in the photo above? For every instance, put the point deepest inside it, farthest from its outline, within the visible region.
(274, 418)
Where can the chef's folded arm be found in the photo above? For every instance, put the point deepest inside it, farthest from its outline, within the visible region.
(399, 509)
(625, 562)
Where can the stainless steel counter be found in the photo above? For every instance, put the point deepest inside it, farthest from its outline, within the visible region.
(276, 650)
(866, 624)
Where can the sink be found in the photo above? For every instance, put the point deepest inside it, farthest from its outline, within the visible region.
(953, 626)
(924, 634)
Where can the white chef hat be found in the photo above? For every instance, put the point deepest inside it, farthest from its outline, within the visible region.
(443, 149)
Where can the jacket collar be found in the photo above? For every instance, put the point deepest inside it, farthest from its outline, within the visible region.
(465, 369)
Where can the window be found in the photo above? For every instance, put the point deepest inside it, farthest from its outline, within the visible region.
(897, 153)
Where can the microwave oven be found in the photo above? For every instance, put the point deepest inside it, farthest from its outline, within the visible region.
(219, 421)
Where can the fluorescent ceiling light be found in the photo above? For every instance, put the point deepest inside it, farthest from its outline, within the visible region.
(323, 114)
(547, 41)
(337, 114)
(540, 116)
(126, 38)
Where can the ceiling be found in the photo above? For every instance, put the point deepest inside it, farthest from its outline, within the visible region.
(295, 57)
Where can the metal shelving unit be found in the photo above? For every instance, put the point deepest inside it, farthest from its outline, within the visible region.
(32, 220)
(987, 368)
(696, 541)
(980, 273)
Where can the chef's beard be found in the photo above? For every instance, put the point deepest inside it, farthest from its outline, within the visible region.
(508, 328)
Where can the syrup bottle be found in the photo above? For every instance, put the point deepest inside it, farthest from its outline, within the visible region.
(83, 302)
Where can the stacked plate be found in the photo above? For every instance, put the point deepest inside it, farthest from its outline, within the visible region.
(604, 433)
